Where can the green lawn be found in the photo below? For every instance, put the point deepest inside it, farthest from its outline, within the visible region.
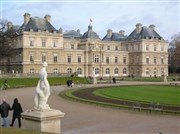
(169, 95)
(30, 82)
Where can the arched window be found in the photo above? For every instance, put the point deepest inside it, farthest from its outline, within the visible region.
(116, 71)
(69, 70)
(107, 71)
(155, 71)
(32, 70)
(124, 71)
(79, 71)
(55, 70)
(96, 71)
(147, 71)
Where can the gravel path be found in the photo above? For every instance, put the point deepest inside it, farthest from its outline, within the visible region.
(84, 118)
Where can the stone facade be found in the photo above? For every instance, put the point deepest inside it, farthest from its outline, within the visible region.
(142, 53)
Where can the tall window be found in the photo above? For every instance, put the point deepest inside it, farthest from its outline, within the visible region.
(96, 71)
(124, 71)
(31, 42)
(155, 60)
(43, 43)
(155, 47)
(69, 59)
(107, 71)
(79, 59)
(108, 47)
(54, 43)
(116, 48)
(147, 47)
(155, 71)
(107, 60)
(31, 58)
(55, 58)
(96, 59)
(147, 71)
(162, 59)
(43, 58)
(124, 60)
(147, 59)
(116, 60)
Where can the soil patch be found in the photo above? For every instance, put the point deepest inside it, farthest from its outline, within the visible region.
(88, 94)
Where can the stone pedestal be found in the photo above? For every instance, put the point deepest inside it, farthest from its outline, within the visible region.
(43, 120)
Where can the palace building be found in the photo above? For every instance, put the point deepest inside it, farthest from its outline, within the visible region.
(142, 53)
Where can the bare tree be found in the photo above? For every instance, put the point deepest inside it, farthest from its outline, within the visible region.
(174, 53)
(6, 38)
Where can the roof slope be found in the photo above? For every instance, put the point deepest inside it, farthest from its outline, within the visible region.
(145, 33)
(36, 23)
(90, 34)
(115, 37)
(73, 34)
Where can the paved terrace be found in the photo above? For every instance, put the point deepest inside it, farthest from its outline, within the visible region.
(84, 118)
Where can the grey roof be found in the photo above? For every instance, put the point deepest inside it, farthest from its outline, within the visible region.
(36, 23)
(115, 37)
(72, 34)
(145, 33)
(90, 34)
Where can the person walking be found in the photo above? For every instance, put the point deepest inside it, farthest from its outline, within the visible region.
(17, 110)
(4, 110)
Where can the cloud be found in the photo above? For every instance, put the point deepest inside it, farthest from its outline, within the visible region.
(105, 15)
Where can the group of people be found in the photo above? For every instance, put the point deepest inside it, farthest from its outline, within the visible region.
(4, 111)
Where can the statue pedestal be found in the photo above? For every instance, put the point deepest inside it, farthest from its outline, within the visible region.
(94, 81)
(44, 121)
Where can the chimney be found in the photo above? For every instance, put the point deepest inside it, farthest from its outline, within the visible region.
(78, 31)
(152, 26)
(121, 32)
(26, 18)
(48, 18)
(9, 25)
(60, 30)
(138, 27)
(109, 33)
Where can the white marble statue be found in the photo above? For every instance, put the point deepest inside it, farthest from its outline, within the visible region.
(42, 90)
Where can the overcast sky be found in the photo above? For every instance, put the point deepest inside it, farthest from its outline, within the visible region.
(113, 14)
